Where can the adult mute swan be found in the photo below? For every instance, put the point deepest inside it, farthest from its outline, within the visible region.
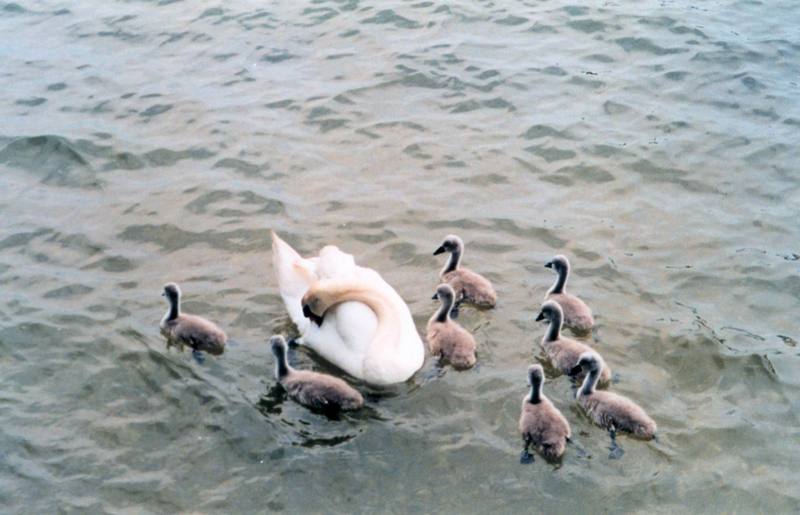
(348, 314)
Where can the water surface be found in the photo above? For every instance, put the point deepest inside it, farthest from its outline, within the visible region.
(655, 143)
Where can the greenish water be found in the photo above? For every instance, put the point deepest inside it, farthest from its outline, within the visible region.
(655, 143)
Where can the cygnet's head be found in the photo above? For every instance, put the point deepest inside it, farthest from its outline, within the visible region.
(550, 310)
(278, 345)
(172, 292)
(451, 243)
(444, 292)
(535, 375)
(589, 362)
(558, 263)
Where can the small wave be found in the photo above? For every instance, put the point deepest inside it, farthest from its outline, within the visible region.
(54, 159)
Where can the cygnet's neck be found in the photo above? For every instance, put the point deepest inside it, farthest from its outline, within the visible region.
(554, 329)
(174, 310)
(590, 382)
(561, 280)
(443, 315)
(535, 397)
(282, 367)
(453, 261)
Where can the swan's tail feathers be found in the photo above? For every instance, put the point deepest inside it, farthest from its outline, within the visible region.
(294, 275)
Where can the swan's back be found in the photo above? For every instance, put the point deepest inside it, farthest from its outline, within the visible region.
(332, 263)
(295, 274)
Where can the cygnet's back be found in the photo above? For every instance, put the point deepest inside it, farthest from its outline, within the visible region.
(321, 391)
(472, 288)
(614, 411)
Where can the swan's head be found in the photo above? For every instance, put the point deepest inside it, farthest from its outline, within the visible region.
(172, 292)
(445, 293)
(314, 305)
(589, 361)
(450, 244)
(551, 310)
(558, 264)
(535, 375)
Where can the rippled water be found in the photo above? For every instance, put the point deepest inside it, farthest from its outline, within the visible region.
(655, 143)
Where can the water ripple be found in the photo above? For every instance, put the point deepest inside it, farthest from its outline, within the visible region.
(152, 141)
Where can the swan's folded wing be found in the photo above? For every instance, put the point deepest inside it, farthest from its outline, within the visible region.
(294, 275)
(335, 264)
(379, 283)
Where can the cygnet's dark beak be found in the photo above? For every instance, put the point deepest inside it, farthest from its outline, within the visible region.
(163, 294)
(540, 317)
(549, 264)
(312, 316)
(575, 370)
(435, 296)
(439, 250)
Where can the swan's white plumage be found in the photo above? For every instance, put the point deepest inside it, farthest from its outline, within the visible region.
(346, 334)
(294, 274)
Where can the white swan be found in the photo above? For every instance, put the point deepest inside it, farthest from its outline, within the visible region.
(355, 319)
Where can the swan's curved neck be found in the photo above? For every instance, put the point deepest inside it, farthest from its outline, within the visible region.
(561, 281)
(389, 323)
(453, 261)
(554, 329)
(590, 383)
(282, 367)
(535, 397)
(174, 310)
(443, 315)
